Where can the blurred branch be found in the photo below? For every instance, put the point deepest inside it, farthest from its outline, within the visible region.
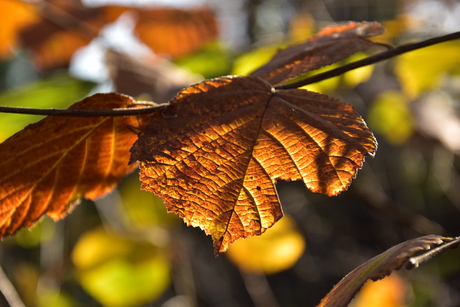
(371, 60)
(259, 290)
(67, 21)
(9, 292)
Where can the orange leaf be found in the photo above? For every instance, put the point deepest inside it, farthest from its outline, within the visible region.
(214, 155)
(382, 265)
(69, 26)
(176, 32)
(48, 166)
(15, 15)
(332, 44)
(65, 27)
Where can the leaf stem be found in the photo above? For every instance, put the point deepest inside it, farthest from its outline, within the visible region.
(371, 60)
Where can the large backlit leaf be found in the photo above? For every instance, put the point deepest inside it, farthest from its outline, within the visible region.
(404, 254)
(331, 45)
(214, 155)
(48, 166)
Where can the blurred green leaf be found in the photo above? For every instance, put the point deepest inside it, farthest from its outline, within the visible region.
(96, 246)
(118, 271)
(56, 91)
(54, 298)
(211, 62)
(360, 75)
(425, 69)
(350, 79)
(32, 237)
(390, 116)
(324, 86)
(143, 209)
(247, 62)
(121, 283)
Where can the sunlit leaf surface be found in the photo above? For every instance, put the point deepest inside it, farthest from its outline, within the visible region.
(214, 155)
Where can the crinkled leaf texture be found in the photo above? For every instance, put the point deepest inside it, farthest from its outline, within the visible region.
(214, 155)
(331, 45)
(404, 254)
(47, 167)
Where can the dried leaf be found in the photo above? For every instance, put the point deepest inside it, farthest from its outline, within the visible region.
(214, 155)
(47, 167)
(400, 255)
(331, 45)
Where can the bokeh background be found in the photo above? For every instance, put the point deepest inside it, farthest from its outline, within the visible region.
(125, 250)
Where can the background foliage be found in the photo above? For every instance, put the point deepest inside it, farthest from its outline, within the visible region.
(126, 250)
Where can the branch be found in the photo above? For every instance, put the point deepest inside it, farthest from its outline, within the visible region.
(85, 112)
(371, 60)
(316, 78)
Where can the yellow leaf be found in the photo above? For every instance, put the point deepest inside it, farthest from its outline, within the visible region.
(387, 292)
(277, 250)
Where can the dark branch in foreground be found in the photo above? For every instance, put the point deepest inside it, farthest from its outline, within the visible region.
(371, 60)
(316, 78)
(85, 112)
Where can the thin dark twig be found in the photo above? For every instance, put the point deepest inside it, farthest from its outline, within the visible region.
(85, 112)
(371, 60)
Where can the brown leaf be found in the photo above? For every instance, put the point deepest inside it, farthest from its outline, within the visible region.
(400, 255)
(214, 155)
(48, 166)
(150, 75)
(331, 45)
